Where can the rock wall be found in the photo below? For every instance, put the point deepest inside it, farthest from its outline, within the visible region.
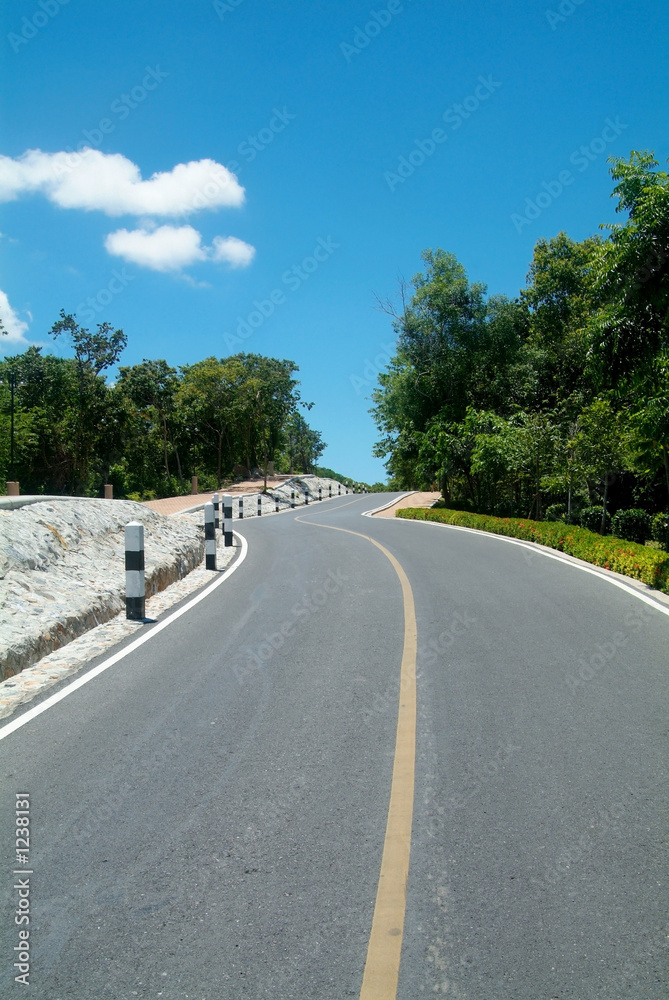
(62, 569)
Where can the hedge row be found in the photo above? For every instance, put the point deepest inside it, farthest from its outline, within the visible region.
(638, 561)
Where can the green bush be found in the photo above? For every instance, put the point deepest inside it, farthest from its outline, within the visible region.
(632, 524)
(143, 496)
(638, 561)
(659, 529)
(556, 512)
(591, 518)
(454, 504)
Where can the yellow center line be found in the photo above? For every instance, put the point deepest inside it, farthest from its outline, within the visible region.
(385, 941)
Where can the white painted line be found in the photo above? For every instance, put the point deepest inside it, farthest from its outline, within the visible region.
(539, 550)
(368, 513)
(106, 664)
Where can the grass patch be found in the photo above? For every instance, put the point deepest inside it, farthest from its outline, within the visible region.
(637, 561)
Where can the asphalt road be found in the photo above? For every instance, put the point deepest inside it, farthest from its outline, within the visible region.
(208, 816)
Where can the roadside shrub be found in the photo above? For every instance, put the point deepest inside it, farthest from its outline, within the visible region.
(632, 524)
(556, 512)
(454, 504)
(591, 518)
(659, 529)
(638, 561)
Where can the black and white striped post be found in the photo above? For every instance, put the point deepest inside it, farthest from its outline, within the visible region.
(135, 587)
(241, 509)
(209, 537)
(292, 499)
(259, 504)
(217, 522)
(330, 491)
(227, 519)
(320, 492)
(339, 490)
(306, 496)
(276, 503)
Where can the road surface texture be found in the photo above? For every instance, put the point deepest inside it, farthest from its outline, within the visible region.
(209, 816)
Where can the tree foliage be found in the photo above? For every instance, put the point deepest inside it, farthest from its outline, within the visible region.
(556, 397)
(155, 426)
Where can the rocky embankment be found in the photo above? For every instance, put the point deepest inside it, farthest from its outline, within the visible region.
(62, 569)
(62, 561)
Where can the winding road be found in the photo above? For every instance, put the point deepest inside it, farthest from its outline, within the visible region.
(383, 759)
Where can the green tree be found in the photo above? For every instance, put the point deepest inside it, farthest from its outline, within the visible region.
(208, 399)
(602, 446)
(94, 353)
(633, 270)
(303, 445)
(152, 387)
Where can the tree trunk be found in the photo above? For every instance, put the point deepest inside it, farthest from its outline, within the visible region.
(602, 528)
(179, 470)
(167, 465)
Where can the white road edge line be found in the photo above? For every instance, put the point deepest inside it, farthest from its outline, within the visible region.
(368, 513)
(549, 555)
(101, 667)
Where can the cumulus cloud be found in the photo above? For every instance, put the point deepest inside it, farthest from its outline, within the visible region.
(15, 327)
(170, 248)
(110, 183)
(234, 252)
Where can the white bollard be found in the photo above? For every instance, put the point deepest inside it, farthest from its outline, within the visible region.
(217, 522)
(292, 499)
(227, 519)
(135, 587)
(259, 504)
(209, 537)
(241, 508)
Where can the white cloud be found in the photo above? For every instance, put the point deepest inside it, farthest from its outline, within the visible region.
(14, 326)
(170, 248)
(110, 183)
(234, 252)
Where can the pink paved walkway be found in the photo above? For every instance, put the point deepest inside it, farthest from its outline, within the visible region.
(174, 505)
(415, 500)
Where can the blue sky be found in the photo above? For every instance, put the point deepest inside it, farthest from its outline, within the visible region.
(257, 173)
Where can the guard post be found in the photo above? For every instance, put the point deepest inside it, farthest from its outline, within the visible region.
(135, 586)
(209, 536)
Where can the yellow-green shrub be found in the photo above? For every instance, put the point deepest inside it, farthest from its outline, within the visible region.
(638, 561)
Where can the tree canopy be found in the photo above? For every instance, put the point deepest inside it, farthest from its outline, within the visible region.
(152, 428)
(558, 396)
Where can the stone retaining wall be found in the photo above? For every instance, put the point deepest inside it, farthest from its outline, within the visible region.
(62, 569)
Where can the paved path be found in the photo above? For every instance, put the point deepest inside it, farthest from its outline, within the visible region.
(416, 499)
(210, 815)
(175, 505)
